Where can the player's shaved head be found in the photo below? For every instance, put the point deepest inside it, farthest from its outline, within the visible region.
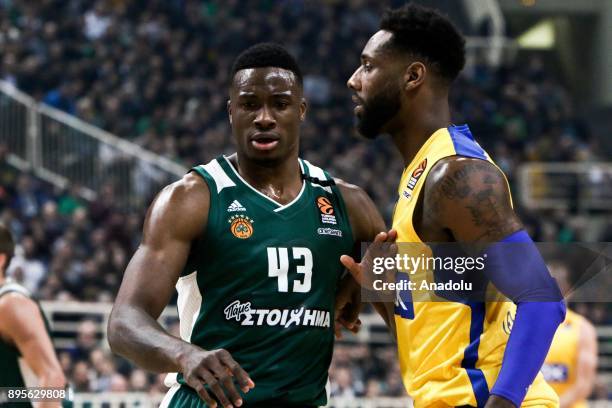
(7, 246)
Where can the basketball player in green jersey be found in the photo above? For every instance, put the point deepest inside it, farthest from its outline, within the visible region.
(27, 357)
(252, 242)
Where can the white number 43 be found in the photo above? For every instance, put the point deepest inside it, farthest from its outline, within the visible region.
(278, 267)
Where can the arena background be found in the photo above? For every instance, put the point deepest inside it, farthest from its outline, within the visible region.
(104, 102)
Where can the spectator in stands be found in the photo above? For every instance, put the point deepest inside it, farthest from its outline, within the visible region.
(86, 341)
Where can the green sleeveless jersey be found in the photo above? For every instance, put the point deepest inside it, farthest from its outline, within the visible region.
(14, 372)
(261, 281)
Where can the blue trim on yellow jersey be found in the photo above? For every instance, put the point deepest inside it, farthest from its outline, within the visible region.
(407, 309)
(470, 355)
(464, 142)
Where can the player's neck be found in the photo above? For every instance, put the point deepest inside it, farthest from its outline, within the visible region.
(418, 126)
(282, 182)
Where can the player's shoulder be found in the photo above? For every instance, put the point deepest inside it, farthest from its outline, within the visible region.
(15, 304)
(365, 219)
(181, 208)
(352, 194)
(462, 167)
(455, 176)
(189, 188)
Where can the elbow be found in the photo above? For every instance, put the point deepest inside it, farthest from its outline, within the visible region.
(548, 314)
(560, 311)
(114, 330)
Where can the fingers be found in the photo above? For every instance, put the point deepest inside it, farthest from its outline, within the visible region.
(380, 237)
(241, 376)
(215, 387)
(356, 326)
(338, 330)
(352, 325)
(352, 266)
(203, 394)
(217, 370)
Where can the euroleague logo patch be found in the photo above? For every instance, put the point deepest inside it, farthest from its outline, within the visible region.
(327, 210)
(241, 226)
(414, 177)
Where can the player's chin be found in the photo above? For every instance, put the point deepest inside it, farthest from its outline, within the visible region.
(367, 132)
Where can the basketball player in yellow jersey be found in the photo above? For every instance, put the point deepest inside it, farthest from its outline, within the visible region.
(453, 353)
(571, 364)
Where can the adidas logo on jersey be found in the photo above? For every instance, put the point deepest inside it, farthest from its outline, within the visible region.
(235, 206)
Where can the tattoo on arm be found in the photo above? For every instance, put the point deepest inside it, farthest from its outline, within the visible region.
(472, 199)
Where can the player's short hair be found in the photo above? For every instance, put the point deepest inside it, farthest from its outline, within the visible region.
(267, 55)
(7, 245)
(426, 33)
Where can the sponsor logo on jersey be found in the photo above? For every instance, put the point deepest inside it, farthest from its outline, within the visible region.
(327, 210)
(244, 314)
(507, 323)
(555, 372)
(241, 226)
(414, 177)
(235, 206)
(329, 231)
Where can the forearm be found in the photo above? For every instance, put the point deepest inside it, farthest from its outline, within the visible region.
(517, 269)
(532, 333)
(387, 311)
(137, 336)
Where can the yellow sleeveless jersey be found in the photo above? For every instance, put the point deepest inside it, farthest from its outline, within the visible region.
(560, 367)
(450, 352)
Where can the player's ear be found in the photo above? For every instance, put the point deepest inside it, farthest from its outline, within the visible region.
(303, 109)
(229, 110)
(2, 261)
(414, 75)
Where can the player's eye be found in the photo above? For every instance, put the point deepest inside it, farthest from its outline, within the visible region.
(367, 67)
(282, 104)
(249, 105)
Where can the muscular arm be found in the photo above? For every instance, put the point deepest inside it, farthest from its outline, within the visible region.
(586, 367)
(468, 201)
(366, 223)
(178, 215)
(23, 325)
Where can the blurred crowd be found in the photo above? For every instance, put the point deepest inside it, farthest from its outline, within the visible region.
(156, 72)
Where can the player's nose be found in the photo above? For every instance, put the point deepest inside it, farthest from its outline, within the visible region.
(265, 119)
(353, 82)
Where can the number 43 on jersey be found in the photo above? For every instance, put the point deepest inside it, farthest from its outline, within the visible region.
(278, 267)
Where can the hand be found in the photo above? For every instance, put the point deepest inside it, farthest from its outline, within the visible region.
(383, 247)
(215, 368)
(348, 306)
(495, 401)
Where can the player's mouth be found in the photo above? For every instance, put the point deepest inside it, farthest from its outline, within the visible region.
(265, 140)
(359, 108)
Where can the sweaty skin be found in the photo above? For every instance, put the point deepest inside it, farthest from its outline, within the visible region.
(265, 109)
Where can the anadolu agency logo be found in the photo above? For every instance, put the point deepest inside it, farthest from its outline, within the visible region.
(241, 226)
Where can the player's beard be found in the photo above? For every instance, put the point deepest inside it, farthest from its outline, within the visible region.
(378, 110)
